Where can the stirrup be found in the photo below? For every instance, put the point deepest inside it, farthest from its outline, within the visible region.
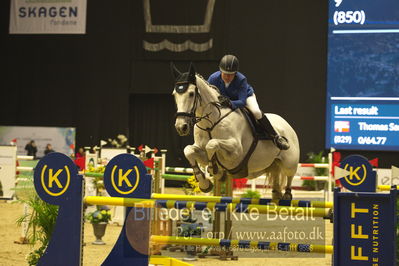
(281, 142)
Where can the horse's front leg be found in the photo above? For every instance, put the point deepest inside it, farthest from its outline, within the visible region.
(228, 152)
(227, 149)
(195, 155)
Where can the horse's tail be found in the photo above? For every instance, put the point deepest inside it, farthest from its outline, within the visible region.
(275, 176)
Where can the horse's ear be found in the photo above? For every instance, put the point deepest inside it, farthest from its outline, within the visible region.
(191, 72)
(175, 72)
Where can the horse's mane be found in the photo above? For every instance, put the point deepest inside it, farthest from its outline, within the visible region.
(207, 83)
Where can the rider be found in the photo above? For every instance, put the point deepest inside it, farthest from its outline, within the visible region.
(238, 93)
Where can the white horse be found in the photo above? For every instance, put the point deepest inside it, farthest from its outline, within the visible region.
(223, 138)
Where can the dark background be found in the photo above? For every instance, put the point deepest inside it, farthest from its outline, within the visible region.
(105, 84)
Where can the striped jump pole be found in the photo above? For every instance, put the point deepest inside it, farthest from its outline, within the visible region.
(25, 157)
(312, 178)
(179, 170)
(260, 201)
(315, 165)
(25, 168)
(244, 244)
(175, 177)
(185, 177)
(93, 174)
(212, 206)
(315, 178)
(328, 166)
(190, 170)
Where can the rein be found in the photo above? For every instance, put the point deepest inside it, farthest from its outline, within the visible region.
(194, 120)
(214, 124)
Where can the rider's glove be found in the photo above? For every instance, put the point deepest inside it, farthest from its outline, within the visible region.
(225, 102)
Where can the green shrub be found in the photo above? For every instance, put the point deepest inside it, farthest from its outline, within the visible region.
(251, 194)
(41, 222)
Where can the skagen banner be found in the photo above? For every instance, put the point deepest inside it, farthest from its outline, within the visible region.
(48, 17)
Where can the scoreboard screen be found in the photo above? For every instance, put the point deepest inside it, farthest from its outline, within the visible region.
(363, 75)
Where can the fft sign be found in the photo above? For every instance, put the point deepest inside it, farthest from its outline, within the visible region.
(365, 228)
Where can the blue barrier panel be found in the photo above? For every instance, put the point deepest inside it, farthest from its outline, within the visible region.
(57, 182)
(365, 228)
(126, 176)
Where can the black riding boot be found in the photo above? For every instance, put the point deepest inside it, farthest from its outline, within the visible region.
(280, 141)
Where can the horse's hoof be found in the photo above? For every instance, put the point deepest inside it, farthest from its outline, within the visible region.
(287, 196)
(208, 189)
(277, 195)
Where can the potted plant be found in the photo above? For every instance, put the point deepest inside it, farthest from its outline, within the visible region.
(102, 215)
(99, 220)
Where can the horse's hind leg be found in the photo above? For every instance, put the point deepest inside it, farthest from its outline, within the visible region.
(274, 179)
(287, 194)
(276, 187)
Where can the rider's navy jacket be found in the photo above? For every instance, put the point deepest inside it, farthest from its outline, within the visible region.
(238, 91)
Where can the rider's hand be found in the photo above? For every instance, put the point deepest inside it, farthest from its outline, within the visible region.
(225, 102)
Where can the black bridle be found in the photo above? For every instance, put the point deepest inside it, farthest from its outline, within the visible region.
(181, 87)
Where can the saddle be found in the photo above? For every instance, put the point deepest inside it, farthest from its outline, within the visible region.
(257, 131)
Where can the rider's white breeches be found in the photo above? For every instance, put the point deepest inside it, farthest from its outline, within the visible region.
(252, 105)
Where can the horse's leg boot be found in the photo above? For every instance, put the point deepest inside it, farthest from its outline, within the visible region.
(205, 184)
(287, 195)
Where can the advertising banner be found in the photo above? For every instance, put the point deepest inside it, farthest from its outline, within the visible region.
(48, 17)
(7, 170)
(62, 139)
(365, 228)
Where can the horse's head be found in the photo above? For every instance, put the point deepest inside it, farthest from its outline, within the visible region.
(186, 97)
